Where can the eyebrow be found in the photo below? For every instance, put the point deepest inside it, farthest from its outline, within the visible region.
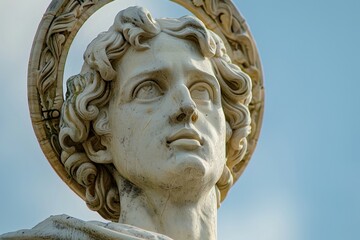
(145, 72)
(208, 76)
(155, 70)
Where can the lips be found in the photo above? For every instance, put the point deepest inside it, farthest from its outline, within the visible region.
(186, 138)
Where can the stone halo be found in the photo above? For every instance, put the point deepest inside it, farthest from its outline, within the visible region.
(59, 26)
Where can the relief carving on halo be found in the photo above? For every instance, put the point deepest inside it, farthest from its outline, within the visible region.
(50, 93)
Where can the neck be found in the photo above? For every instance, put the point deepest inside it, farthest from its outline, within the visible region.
(168, 214)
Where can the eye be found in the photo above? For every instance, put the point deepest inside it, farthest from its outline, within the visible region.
(201, 92)
(147, 90)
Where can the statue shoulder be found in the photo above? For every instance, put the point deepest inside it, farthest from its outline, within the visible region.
(66, 227)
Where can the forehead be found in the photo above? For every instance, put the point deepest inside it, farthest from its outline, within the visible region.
(166, 43)
(164, 52)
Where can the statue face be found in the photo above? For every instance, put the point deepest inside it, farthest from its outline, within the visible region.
(166, 120)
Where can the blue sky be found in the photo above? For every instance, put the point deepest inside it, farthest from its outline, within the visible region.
(302, 182)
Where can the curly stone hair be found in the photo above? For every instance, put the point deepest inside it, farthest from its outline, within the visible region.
(84, 123)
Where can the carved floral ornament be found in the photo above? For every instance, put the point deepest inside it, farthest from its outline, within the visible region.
(55, 34)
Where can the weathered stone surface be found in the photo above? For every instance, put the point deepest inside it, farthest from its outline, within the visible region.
(156, 127)
(65, 227)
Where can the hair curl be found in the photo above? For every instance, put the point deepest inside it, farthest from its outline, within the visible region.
(84, 121)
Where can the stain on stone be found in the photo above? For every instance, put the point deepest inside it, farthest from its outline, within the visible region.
(130, 188)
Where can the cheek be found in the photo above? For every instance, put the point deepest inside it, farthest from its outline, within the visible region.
(136, 129)
(217, 125)
(218, 134)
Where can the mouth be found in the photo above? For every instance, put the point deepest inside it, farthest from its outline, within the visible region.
(186, 138)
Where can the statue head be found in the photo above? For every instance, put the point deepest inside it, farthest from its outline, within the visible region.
(159, 105)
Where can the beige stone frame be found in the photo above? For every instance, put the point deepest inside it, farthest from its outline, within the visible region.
(57, 29)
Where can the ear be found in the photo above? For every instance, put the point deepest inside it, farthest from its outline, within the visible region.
(97, 146)
(98, 155)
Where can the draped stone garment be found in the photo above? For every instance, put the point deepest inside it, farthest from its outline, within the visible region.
(66, 227)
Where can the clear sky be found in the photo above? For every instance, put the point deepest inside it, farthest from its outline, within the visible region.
(303, 180)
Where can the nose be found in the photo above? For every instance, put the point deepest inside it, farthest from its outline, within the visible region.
(185, 107)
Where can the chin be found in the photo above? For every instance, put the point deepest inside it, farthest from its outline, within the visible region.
(190, 172)
(188, 164)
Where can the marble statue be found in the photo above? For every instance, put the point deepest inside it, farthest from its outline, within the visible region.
(151, 128)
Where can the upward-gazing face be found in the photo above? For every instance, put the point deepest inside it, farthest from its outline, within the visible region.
(166, 120)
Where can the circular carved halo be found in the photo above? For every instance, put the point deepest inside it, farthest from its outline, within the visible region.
(61, 22)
